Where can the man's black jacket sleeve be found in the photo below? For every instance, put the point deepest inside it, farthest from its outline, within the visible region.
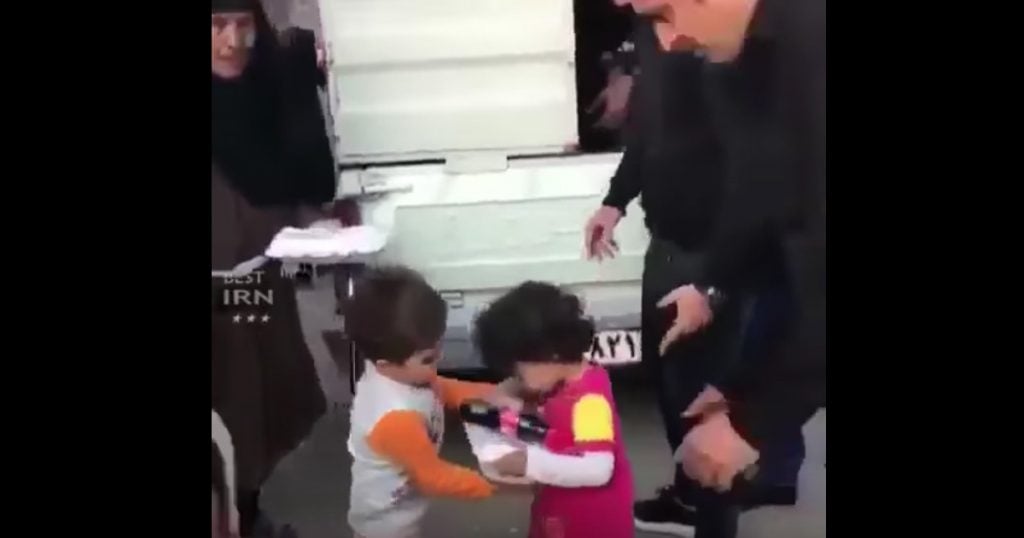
(625, 185)
(627, 181)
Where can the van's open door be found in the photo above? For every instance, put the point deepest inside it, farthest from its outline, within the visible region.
(425, 79)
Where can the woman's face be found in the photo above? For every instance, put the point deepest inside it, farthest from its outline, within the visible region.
(233, 36)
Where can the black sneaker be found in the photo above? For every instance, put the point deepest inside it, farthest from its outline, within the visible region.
(757, 497)
(665, 514)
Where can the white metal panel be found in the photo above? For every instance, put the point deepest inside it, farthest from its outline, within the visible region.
(415, 79)
(477, 235)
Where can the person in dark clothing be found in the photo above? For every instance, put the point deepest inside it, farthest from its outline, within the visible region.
(268, 131)
(676, 165)
(764, 78)
(664, 136)
(271, 167)
(602, 28)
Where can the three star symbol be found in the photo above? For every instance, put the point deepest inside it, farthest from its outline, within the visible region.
(251, 318)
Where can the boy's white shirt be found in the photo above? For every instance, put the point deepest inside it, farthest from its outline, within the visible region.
(383, 501)
(569, 471)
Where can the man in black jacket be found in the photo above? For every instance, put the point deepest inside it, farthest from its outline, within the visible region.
(765, 81)
(675, 163)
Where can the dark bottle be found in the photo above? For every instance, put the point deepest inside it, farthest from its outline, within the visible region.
(528, 428)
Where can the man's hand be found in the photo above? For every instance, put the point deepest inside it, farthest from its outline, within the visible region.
(614, 99)
(692, 313)
(321, 56)
(712, 453)
(599, 233)
(709, 401)
(513, 464)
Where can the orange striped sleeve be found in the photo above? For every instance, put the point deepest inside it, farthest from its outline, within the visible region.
(453, 392)
(401, 436)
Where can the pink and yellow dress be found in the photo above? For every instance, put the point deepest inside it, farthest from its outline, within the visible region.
(583, 419)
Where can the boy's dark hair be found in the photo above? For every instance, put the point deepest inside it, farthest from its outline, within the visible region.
(535, 322)
(394, 313)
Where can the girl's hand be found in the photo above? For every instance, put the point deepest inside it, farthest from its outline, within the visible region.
(513, 464)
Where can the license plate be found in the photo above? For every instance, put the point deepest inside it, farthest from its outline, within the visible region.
(613, 348)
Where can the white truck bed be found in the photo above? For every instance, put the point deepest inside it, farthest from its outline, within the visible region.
(485, 89)
(474, 236)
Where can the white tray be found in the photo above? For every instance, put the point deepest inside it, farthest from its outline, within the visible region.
(326, 242)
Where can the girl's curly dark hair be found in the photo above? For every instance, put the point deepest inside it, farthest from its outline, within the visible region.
(535, 322)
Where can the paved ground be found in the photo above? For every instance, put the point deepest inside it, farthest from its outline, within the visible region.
(310, 488)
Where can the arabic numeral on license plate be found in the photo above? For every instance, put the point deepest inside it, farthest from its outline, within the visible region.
(616, 347)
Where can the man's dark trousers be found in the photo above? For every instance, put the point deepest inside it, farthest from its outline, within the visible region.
(771, 312)
(688, 366)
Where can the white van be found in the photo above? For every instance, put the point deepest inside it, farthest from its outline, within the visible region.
(451, 120)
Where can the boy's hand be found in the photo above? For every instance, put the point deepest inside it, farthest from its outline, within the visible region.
(505, 395)
(513, 464)
(514, 490)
